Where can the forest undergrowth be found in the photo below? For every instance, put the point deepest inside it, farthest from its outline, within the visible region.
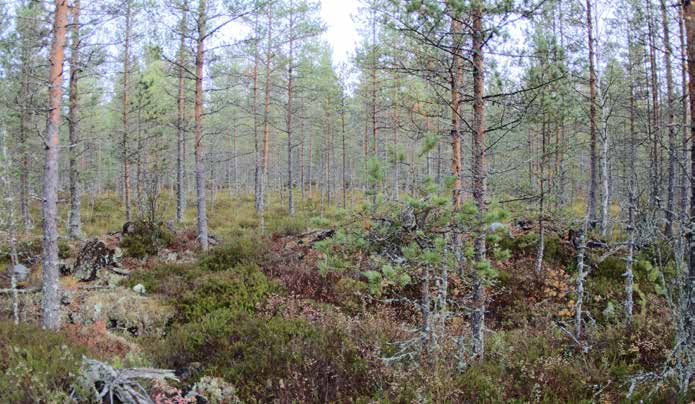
(317, 310)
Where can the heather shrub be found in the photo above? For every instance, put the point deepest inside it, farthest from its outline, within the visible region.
(147, 239)
(236, 251)
(270, 359)
(238, 289)
(36, 365)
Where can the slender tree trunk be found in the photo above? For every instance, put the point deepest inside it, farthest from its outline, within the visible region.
(198, 112)
(455, 83)
(605, 173)
(438, 175)
(373, 88)
(8, 197)
(373, 102)
(302, 178)
(593, 184)
(140, 151)
(74, 220)
(126, 107)
(670, 202)
(579, 283)
(266, 123)
(181, 116)
(235, 159)
(344, 153)
(365, 147)
(290, 79)
(310, 164)
(51, 286)
(396, 162)
(688, 339)
(632, 196)
(23, 140)
(684, 123)
(541, 203)
(254, 111)
(655, 116)
(479, 180)
(327, 166)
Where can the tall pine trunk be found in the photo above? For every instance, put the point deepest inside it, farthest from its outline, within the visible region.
(51, 286)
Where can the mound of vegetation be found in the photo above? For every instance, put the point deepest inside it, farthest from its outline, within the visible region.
(270, 359)
(146, 238)
(37, 365)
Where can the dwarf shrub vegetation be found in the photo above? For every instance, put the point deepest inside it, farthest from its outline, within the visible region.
(238, 289)
(147, 239)
(268, 359)
(36, 365)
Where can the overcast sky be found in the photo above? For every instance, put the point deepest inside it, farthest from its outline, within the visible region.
(341, 33)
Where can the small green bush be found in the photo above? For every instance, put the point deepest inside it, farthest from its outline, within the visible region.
(237, 251)
(165, 279)
(239, 289)
(147, 239)
(287, 225)
(351, 294)
(36, 365)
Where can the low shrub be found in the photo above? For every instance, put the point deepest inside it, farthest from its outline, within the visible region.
(37, 365)
(270, 359)
(164, 279)
(125, 311)
(146, 239)
(234, 252)
(239, 289)
(351, 294)
(287, 225)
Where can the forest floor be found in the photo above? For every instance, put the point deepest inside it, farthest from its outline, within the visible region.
(264, 317)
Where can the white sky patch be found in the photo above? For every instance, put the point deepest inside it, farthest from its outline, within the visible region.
(341, 31)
